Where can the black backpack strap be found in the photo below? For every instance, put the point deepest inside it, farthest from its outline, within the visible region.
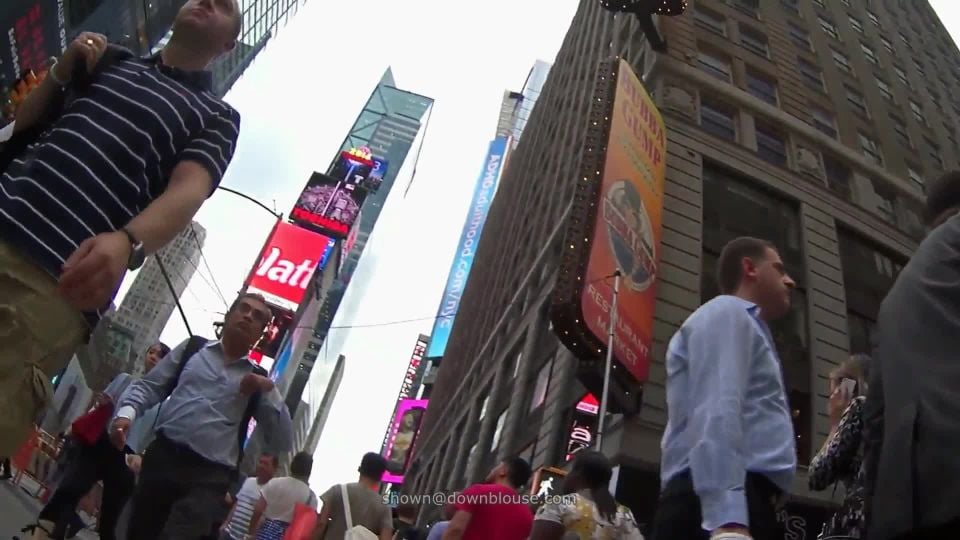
(194, 344)
(248, 413)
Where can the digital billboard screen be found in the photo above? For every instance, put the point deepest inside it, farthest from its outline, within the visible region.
(329, 204)
(403, 434)
(287, 263)
(467, 248)
(583, 425)
(269, 344)
(33, 31)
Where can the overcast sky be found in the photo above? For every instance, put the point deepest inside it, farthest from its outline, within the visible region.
(299, 99)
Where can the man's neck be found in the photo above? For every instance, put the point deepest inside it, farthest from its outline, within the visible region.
(261, 480)
(748, 296)
(231, 351)
(177, 55)
(369, 483)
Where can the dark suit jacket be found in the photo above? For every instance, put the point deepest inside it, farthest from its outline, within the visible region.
(912, 413)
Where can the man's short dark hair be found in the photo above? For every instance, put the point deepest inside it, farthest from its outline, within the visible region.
(729, 266)
(250, 295)
(372, 466)
(275, 459)
(518, 471)
(302, 465)
(942, 195)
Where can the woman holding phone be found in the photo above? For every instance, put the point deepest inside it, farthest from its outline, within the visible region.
(840, 458)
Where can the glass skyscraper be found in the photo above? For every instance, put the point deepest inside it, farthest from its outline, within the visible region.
(389, 125)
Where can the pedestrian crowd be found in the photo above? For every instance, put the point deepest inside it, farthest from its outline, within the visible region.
(113, 155)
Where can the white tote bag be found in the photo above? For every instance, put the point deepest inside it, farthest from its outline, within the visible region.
(353, 533)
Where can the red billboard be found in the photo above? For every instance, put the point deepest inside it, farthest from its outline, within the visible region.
(286, 265)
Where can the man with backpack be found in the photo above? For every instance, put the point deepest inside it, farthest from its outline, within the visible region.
(110, 158)
(212, 390)
(356, 511)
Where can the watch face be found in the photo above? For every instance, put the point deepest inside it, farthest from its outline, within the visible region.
(137, 256)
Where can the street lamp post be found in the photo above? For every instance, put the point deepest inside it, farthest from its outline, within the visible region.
(608, 365)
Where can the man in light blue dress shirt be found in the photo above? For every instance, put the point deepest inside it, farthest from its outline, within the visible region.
(728, 452)
(191, 463)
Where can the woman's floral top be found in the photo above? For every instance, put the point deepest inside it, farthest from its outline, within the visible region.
(582, 520)
(840, 460)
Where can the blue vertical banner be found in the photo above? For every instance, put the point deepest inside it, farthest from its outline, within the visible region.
(467, 248)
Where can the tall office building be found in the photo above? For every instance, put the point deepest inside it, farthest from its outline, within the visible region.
(262, 19)
(149, 303)
(814, 124)
(388, 126)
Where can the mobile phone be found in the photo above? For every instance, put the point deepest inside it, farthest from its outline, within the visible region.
(848, 387)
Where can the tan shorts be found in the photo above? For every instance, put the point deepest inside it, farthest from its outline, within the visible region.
(39, 332)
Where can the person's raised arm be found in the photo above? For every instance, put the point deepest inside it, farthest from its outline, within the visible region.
(88, 47)
(720, 350)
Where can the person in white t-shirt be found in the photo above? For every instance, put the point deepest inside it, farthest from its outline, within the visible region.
(237, 524)
(279, 498)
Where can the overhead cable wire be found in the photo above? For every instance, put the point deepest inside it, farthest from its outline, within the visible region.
(203, 257)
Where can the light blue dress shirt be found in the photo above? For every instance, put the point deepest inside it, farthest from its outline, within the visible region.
(727, 409)
(204, 411)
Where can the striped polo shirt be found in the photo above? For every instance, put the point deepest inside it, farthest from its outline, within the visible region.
(110, 154)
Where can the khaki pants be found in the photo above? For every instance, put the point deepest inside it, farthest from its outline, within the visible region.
(39, 332)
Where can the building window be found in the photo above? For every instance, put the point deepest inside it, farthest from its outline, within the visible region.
(811, 74)
(856, 24)
(855, 99)
(902, 75)
(710, 20)
(498, 430)
(800, 37)
(874, 19)
(771, 145)
(916, 179)
(933, 150)
(838, 176)
(919, 67)
(754, 41)
(824, 120)
(718, 119)
(819, 3)
(828, 28)
(884, 89)
(901, 130)
(904, 39)
(868, 273)
(735, 207)
(868, 52)
(842, 62)
(792, 6)
(748, 7)
(871, 149)
(846, 2)
(715, 65)
(762, 87)
(541, 386)
(918, 112)
(888, 46)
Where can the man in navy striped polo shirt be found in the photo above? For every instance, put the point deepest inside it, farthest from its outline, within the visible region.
(121, 170)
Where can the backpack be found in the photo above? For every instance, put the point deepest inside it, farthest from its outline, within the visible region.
(354, 532)
(194, 344)
(80, 82)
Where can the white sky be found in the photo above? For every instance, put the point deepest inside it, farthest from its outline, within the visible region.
(299, 99)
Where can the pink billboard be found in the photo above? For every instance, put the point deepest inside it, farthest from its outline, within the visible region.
(403, 433)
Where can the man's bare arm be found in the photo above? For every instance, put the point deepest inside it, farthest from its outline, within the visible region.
(171, 212)
(88, 47)
(457, 526)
